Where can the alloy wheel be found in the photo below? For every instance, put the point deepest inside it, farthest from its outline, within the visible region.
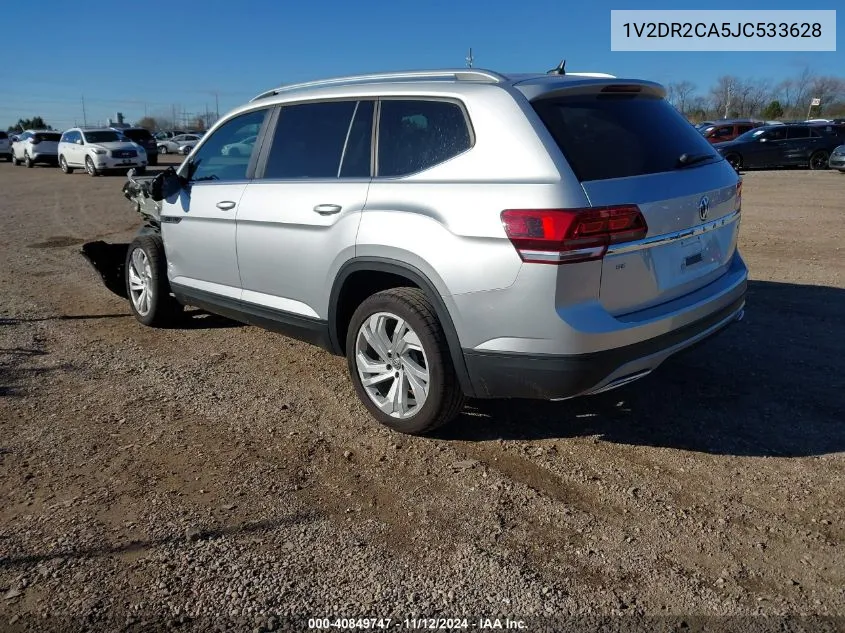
(392, 365)
(140, 282)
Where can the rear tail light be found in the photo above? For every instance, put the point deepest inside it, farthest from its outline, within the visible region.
(36, 140)
(560, 236)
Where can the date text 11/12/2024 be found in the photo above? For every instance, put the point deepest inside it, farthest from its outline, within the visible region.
(423, 624)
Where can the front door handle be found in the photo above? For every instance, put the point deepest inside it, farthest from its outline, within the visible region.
(327, 209)
(226, 205)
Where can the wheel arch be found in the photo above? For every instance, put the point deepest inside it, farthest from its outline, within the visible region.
(345, 297)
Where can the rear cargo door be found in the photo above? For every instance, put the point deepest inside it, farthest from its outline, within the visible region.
(632, 148)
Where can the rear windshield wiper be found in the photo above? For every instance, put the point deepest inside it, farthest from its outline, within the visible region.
(687, 160)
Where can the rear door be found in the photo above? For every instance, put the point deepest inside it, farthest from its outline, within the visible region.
(799, 145)
(298, 219)
(626, 149)
(198, 225)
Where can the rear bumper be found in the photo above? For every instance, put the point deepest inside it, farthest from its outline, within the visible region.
(552, 377)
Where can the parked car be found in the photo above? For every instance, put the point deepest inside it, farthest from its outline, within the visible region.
(5, 146)
(163, 135)
(486, 246)
(174, 144)
(240, 147)
(837, 159)
(728, 130)
(143, 137)
(97, 150)
(780, 146)
(35, 146)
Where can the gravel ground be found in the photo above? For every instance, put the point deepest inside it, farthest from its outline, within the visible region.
(220, 477)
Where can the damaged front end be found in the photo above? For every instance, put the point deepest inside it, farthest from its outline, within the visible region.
(109, 259)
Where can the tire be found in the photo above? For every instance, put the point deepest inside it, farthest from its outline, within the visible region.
(64, 166)
(15, 161)
(162, 149)
(8, 158)
(819, 160)
(842, 171)
(89, 167)
(146, 271)
(735, 160)
(376, 319)
(28, 161)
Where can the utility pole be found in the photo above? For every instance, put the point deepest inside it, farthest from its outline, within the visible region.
(469, 59)
(84, 118)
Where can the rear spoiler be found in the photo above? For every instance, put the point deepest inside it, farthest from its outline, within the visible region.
(586, 83)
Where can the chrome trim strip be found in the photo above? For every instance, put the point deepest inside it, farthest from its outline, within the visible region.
(554, 256)
(666, 238)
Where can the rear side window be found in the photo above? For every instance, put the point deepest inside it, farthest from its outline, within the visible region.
(50, 137)
(802, 131)
(414, 135)
(309, 140)
(618, 136)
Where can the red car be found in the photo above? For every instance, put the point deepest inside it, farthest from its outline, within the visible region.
(724, 131)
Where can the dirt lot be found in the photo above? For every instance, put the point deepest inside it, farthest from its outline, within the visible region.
(220, 477)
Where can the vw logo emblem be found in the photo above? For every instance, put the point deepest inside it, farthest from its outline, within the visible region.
(703, 208)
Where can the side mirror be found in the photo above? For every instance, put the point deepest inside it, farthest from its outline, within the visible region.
(165, 185)
(79, 141)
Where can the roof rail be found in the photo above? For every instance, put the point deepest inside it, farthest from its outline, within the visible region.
(459, 74)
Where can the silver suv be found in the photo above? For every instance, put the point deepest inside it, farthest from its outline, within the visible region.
(455, 233)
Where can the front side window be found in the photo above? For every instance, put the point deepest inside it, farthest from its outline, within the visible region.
(722, 132)
(310, 140)
(212, 161)
(415, 135)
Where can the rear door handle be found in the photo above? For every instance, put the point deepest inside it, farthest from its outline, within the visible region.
(327, 209)
(226, 205)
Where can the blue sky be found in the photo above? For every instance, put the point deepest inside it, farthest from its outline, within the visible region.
(158, 56)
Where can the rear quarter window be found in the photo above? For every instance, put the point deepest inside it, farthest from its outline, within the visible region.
(414, 135)
(618, 136)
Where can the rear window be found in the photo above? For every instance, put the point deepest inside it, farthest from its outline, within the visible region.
(50, 137)
(618, 136)
(137, 135)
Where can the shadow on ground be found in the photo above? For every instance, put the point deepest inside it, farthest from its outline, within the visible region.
(771, 385)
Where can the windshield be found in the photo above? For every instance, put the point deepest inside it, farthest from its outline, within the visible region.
(106, 136)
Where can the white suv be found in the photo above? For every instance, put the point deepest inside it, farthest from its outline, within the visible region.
(35, 146)
(98, 150)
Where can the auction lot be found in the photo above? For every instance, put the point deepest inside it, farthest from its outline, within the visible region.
(220, 477)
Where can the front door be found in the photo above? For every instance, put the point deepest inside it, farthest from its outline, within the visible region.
(299, 218)
(198, 224)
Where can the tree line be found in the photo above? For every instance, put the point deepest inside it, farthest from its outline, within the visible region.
(735, 97)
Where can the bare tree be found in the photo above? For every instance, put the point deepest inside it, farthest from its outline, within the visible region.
(724, 95)
(802, 87)
(679, 93)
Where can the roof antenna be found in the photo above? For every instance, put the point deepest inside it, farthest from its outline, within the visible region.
(560, 70)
